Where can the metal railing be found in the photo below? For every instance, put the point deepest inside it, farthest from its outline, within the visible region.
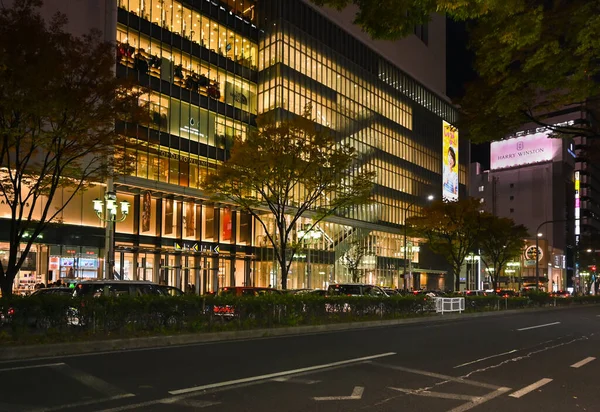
(443, 305)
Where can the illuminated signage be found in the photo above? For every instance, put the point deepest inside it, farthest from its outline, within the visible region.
(523, 150)
(450, 163)
(531, 254)
(577, 208)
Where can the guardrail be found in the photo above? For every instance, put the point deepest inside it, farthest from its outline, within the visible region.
(443, 305)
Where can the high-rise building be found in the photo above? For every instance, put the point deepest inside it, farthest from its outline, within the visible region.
(549, 185)
(211, 67)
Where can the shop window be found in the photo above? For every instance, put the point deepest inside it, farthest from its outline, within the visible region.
(209, 222)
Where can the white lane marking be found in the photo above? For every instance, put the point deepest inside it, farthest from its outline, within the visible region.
(479, 400)
(430, 394)
(529, 388)
(539, 326)
(436, 375)
(277, 374)
(583, 362)
(46, 365)
(193, 403)
(92, 381)
(83, 403)
(357, 394)
(296, 380)
(482, 359)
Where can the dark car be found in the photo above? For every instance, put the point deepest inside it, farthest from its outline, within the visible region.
(53, 291)
(506, 293)
(248, 291)
(355, 289)
(560, 294)
(115, 288)
(170, 290)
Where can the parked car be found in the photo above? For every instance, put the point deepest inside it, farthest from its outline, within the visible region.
(391, 292)
(355, 289)
(248, 291)
(170, 290)
(480, 292)
(506, 293)
(53, 291)
(107, 287)
(116, 288)
(560, 294)
(228, 311)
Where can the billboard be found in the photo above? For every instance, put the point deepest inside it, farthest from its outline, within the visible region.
(523, 150)
(450, 163)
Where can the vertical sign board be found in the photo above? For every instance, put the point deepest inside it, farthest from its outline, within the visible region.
(450, 163)
(577, 208)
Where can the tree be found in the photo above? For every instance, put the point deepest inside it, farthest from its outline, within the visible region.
(352, 258)
(451, 229)
(289, 169)
(501, 241)
(532, 57)
(58, 103)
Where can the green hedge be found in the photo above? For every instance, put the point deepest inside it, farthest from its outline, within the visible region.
(48, 318)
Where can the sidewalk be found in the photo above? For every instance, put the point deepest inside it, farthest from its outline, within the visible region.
(75, 348)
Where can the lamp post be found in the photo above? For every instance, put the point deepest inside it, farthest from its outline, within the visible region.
(406, 210)
(537, 250)
(106, 210)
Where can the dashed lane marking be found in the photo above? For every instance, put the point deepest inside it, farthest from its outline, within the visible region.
(529, 388)
(583, 362)
(539, 326)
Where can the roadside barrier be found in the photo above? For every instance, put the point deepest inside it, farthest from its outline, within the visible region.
(443, 305)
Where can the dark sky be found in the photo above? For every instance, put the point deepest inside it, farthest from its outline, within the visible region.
(459, 71)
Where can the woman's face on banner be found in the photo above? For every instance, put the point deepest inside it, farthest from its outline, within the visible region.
(450, 160)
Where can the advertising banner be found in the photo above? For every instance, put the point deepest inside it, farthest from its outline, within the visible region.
(450, 163)
(523, 150)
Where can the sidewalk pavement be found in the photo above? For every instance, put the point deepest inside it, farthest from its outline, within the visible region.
(75, 348)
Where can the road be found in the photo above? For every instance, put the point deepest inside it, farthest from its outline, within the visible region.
(529, 361)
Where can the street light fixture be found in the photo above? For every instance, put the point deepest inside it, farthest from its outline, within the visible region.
(106, 210)
(537, 250)
(406, 210)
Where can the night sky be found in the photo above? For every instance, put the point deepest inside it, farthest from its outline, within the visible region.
(459, 71)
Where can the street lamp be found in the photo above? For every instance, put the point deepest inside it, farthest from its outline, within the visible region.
(537, 250)
(406, 210)
(106, 210)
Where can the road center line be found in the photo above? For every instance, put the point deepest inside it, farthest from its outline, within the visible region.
(45, 365)
(482, 359)
(539, 326)
(530, 388)
(436, 375)
(583, 362)
(277, 374)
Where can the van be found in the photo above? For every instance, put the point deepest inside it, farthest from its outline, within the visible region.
(107, 287)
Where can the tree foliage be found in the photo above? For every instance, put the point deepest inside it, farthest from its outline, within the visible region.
(451, 229)
(285, 170)
(59, 99)
(501, 241)
(531, 56)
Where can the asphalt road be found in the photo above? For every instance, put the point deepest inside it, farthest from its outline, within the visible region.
(536, 361)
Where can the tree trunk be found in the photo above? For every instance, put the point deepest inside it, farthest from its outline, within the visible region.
(6, 284)
(283, 265)
(456, 279)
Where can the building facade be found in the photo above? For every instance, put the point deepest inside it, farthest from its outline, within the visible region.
(211, 67)
(549, 185)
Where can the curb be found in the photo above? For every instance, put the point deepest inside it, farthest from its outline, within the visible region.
(11, 353)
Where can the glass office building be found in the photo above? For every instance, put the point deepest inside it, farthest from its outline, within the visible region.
(210, 67)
